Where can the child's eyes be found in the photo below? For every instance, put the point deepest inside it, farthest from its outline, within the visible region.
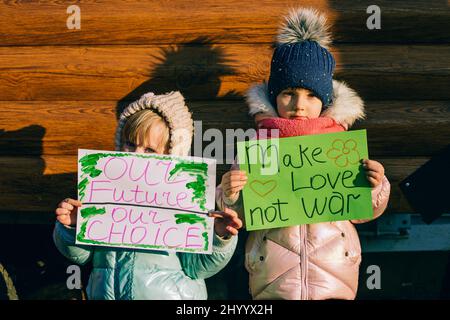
(311, 94)
(131, 145)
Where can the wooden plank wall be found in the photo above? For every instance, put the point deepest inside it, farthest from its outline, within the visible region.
(61, 89)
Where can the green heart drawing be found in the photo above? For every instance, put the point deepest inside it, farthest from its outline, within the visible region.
(263, 188)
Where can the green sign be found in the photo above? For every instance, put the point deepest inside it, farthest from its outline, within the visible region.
(304, 180)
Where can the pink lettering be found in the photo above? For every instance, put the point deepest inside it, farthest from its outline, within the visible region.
(111, 233)
(114, 169)
(138, 219)
(164, 238)
(136, 191)
(143, 236)
(168, 164)
(89, 236)
(167, 195)
(155, 213)
(182, 196)
(148, 182)
(122, 197)
(157, 235)
(152, 201)
(92, 189)
(131, 170)
(188, 235)
(114, 215)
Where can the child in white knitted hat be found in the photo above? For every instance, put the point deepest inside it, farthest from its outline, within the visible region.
(154, 124)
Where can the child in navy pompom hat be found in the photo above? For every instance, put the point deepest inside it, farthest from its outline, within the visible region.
(315, 261)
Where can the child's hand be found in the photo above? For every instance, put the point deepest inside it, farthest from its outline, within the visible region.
(226, 222)
(66, 213)
(374, 170)
(232, 182)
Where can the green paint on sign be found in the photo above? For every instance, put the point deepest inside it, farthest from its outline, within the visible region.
(198, 170)
(87, 213)
(199, 188)
(82, 187)
(92, 211)
(82, 234)
(89, 162)
(190, 218)
(205, 237)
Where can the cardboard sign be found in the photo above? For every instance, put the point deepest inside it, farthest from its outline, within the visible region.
(304, 180)
(145, 201)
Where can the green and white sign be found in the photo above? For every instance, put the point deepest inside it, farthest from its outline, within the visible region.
(145, 201)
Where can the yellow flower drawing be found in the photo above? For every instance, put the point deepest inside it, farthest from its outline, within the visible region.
(344, 152)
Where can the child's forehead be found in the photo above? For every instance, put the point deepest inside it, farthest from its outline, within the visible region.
(296, 88)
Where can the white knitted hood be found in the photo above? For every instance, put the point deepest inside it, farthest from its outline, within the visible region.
(346, 108)
(172, 108)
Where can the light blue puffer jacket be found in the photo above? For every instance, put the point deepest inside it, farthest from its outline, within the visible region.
(141, 274)
(125, 274)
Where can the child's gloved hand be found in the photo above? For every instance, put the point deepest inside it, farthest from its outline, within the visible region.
(66, 213)
(226, 222)
(232, 182)
(374, 171)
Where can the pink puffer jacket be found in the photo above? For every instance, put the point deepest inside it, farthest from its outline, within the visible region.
(308, 262)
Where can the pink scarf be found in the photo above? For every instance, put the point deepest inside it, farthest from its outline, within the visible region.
(293, 128)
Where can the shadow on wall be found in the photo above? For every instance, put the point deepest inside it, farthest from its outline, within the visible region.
(194, 68)
(27, 251)
(34, 267)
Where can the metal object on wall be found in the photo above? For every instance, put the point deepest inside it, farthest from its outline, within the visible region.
(405, 232)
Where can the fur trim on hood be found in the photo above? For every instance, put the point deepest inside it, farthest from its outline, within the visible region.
(346, 108)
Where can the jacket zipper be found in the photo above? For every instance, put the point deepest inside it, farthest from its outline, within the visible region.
(303, 263)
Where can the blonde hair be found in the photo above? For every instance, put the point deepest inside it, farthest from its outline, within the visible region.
(138, 126)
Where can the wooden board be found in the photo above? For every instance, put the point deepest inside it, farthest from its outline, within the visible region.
(395, 128)
(205, 72)
(150, 22)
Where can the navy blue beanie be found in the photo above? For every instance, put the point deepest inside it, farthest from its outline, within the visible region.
(299, 59)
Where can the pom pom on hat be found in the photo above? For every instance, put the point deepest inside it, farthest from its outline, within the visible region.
(303, 25)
